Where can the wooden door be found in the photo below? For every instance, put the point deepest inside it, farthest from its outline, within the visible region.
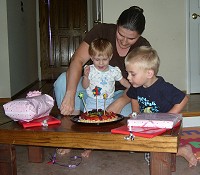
(68, 24)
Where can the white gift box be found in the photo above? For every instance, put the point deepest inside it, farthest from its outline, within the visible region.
(155, 120)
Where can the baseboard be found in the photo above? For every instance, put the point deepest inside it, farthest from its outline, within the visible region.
(191, 121)
(5, 100)
(24, 90)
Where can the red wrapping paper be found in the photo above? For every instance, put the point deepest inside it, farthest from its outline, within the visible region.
(43, 121)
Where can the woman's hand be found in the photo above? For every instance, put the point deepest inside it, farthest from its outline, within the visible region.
(67, 106)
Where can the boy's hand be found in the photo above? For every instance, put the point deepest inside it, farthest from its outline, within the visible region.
(86, 70)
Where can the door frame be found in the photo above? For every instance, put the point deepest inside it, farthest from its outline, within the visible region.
(189, 73)
(187, 23)
(38, 39)
(90, 25)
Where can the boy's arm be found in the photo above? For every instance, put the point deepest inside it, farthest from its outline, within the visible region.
(179, 107)
(118, 104)
(135, 106)
(125, 83)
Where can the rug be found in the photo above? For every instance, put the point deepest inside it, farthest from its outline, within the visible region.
(191, 136)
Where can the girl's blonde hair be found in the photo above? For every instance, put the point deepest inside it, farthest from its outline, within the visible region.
(145, 57)
(100, 47)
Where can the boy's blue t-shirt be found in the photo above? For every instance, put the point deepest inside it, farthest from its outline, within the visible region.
(159, 97)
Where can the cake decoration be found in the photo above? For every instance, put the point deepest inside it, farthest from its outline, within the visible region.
(96, 92)
(81, 95)
(105, 97)
(96, 115)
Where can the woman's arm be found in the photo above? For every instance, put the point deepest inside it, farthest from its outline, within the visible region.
(80, 57)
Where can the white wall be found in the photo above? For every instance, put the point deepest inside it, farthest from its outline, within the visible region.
(18, 46)
(165, 30)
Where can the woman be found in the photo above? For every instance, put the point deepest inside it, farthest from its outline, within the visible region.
(124, 36)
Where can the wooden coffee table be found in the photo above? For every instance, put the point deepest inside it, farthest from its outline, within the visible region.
(72, 135)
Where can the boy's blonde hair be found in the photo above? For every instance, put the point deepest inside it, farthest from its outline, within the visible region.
(145, 57)
(100, 47)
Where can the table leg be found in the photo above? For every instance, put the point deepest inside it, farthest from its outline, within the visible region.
(173, 164)
(35, 154)
(8, 160)
(160, 163)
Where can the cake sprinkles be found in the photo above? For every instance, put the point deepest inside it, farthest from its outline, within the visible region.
(99, 116)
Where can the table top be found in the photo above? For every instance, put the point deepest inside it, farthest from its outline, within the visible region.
(73, 135)
(4, 119)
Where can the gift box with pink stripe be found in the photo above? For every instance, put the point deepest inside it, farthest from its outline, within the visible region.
(155, 120)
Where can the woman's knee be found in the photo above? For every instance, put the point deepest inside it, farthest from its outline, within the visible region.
(61, 81)
(60, 88)
(127, 110)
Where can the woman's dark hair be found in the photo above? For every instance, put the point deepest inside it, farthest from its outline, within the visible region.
(132, 19)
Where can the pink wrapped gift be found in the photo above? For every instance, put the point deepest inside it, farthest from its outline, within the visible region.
(155, 120)
(35, 105)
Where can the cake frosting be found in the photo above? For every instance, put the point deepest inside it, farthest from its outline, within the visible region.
(99, 116)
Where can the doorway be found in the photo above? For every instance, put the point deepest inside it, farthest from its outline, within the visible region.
(193, 21)
(63, 25)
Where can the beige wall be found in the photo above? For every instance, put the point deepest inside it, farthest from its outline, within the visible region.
(4, 56)
(18, 46)
(165, 30)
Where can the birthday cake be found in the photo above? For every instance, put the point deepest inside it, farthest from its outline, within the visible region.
(99, 116)
(96, 115)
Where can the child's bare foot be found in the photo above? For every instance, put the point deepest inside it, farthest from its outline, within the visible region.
(186, 152)
(198, 158)
(86, 153)
(62, 151)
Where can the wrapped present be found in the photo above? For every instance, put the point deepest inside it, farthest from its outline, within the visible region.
(43, 121)
(146, 132)
(154, 120)
(35, 105)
